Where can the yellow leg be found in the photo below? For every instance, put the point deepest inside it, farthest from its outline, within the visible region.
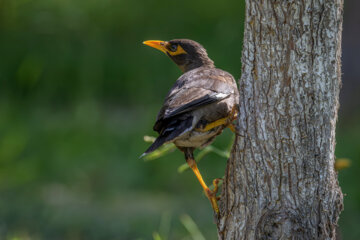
(212, 125)
(211, 195)
(222, 121)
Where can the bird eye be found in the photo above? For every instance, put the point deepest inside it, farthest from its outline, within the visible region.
(173, 47)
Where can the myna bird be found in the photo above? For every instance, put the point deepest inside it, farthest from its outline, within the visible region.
(202, 102)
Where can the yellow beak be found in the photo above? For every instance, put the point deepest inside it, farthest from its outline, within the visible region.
(160, 45)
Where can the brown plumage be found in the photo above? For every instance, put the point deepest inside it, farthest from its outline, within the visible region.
(201, 96)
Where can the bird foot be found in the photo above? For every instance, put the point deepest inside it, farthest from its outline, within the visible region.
(211, 195)
(235, 130)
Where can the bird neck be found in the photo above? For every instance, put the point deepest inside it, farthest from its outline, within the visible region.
(205, 62)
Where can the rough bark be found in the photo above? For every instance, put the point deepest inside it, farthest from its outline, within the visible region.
(280, 181)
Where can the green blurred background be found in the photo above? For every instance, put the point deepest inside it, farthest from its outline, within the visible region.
(78, 91)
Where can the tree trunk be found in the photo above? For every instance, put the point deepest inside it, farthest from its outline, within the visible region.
(280, 181)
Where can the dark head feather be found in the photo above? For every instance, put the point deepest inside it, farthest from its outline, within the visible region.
(195, 56)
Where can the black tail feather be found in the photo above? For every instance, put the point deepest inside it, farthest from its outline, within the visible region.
(158, 142)
(173, 130)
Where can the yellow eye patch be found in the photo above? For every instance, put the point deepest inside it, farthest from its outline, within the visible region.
(179, 50)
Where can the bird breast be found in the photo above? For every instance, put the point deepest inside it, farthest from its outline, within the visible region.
(197, 139)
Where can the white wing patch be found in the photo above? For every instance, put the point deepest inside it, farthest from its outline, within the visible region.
(221, 95)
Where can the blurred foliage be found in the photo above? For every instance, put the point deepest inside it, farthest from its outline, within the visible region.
(187, 222)
(60, 52)
(191, 226)
(78, 90)
(168, 148)
(342, 163)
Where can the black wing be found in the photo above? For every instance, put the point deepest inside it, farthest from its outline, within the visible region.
(201, 101)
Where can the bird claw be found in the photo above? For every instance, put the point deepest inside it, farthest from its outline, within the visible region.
(216, 184)
(211, 195)
(235, 129)
(233, 115)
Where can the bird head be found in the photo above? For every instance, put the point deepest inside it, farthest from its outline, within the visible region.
(187, 54)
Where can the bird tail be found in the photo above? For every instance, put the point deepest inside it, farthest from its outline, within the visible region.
(158, 142)
(173, 130)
